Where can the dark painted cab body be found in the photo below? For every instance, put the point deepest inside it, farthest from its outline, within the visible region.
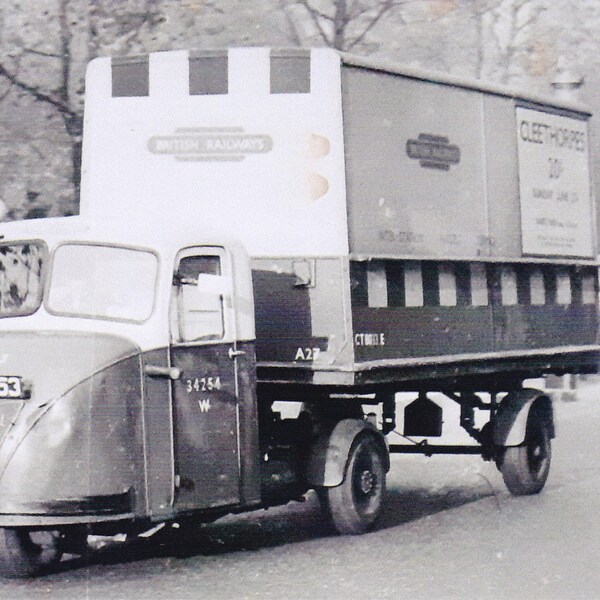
(107, 415)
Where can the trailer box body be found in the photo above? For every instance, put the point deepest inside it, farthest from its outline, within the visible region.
(485, 199)
(440, 171)
(401, 225)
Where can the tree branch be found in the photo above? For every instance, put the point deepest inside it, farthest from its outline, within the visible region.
(532, 18)
(359, 12)
(386, 8)
(368, 7)
(293, 30)
(35, 92)
(314, 12)
(316, 17)
(40, 53)
(65, 46)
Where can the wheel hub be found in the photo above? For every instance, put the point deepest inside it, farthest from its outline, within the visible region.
(366, 482)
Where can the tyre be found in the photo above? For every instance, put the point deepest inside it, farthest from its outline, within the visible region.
(525, 468)
(354, 505)
(74, 540)
(26, 553)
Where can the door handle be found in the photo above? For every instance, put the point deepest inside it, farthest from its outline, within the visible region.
(234, 353)
(163, 372)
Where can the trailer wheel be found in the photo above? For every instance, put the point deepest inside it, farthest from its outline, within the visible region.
(525, 468)
(355, 504)
(26, 553)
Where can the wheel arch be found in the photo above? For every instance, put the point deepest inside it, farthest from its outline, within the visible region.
(330, 453)
(510, 422)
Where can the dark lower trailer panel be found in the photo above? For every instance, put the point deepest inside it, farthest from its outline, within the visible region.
(500, 372)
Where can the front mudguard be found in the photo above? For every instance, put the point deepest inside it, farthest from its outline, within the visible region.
(329, 455)
(79, 459)
(510, 421)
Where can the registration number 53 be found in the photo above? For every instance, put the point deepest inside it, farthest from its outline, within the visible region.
(11, 386)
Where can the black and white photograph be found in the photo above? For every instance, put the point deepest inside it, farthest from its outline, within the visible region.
(299, 299)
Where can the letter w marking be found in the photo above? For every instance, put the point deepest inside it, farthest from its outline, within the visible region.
(204, 405)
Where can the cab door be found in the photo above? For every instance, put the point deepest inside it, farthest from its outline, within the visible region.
(205, 395)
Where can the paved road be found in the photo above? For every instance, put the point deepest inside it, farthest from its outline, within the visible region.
(449, 530)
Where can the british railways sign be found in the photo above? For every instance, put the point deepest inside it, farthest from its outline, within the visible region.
(193, 144)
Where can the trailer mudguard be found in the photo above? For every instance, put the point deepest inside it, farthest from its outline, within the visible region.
(329, 455)
(510, 422)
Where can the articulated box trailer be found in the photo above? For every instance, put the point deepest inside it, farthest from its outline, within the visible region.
(262, 226)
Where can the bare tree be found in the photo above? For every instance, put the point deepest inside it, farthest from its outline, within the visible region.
(341, 24)
(45, 46)
(53, 60)
(479, 12)
(49, 69)
(500, 31)
(506, 30)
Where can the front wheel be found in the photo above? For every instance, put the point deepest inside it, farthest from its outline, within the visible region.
(525, 468)
(355, 504)
(26, 553)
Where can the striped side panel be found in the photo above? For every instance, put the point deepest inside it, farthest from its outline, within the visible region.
(209, 73)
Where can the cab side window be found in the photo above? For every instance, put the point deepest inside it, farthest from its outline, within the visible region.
(199, 305)
(192, 266)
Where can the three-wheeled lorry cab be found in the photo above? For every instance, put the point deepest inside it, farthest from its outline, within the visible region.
(129, 398)
(261, 226)
(128, 386)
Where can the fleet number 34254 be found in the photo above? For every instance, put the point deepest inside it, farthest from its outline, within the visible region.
(203, 384)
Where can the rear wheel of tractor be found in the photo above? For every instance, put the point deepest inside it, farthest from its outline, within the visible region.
(525, 468)
(355, 504)
(26, 553)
